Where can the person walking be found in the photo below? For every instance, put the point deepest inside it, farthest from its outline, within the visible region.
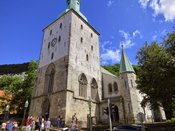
(3, 127)
(59, 122)
(48, 125)
(74, 119)
(42, 124)
(10, 126)
(37, 125)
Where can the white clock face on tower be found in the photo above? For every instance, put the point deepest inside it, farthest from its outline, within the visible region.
(54, 41)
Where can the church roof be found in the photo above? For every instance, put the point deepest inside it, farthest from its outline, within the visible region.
(72, 10)
(125, 65)
(107, 72)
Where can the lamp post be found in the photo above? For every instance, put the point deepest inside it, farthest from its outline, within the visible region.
(25, 106)
(90, 120)
(6, 115)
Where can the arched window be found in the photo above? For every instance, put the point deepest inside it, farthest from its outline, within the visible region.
(94, 89)
(110, 88)
(115, 87)
(49, 78)
(83, 85)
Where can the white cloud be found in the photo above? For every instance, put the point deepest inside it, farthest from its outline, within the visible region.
(113, 55)
(164, 7)
(110, 3)
(137, 32)
(154, 37)
(109, 55)
(128, 38)
(144, 3)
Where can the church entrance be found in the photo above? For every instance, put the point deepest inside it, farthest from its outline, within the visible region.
(115, 114)
(46, 109)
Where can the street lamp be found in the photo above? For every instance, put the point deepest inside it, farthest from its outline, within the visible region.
(25, 106)
(6, 115)
(90, 120)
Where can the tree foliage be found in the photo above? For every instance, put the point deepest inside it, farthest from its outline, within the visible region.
(21, 89)
(114, 69)
(156, 74)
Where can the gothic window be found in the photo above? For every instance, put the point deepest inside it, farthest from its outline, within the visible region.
(49, 78)
(110, 88)
(60, 25)
(91, 35)
(115, 87)
(94, 89)
(83, 85)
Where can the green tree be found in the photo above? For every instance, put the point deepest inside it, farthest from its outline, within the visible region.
(20, 88)
(154, 76)
(25, 90)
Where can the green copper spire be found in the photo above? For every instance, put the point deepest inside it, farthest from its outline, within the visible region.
(74, 4)
(125, 65)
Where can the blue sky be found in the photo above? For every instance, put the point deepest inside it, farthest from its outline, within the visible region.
(127, 22)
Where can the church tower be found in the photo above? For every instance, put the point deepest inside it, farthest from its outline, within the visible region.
(69, 72)
(132, 97)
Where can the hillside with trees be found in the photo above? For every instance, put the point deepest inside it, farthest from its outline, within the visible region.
(114, 69)
(13, 68)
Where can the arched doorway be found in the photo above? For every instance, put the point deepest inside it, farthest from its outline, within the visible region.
(115, 114)
(46, 108)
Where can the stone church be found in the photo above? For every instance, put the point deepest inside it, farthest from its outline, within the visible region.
(70, 75)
